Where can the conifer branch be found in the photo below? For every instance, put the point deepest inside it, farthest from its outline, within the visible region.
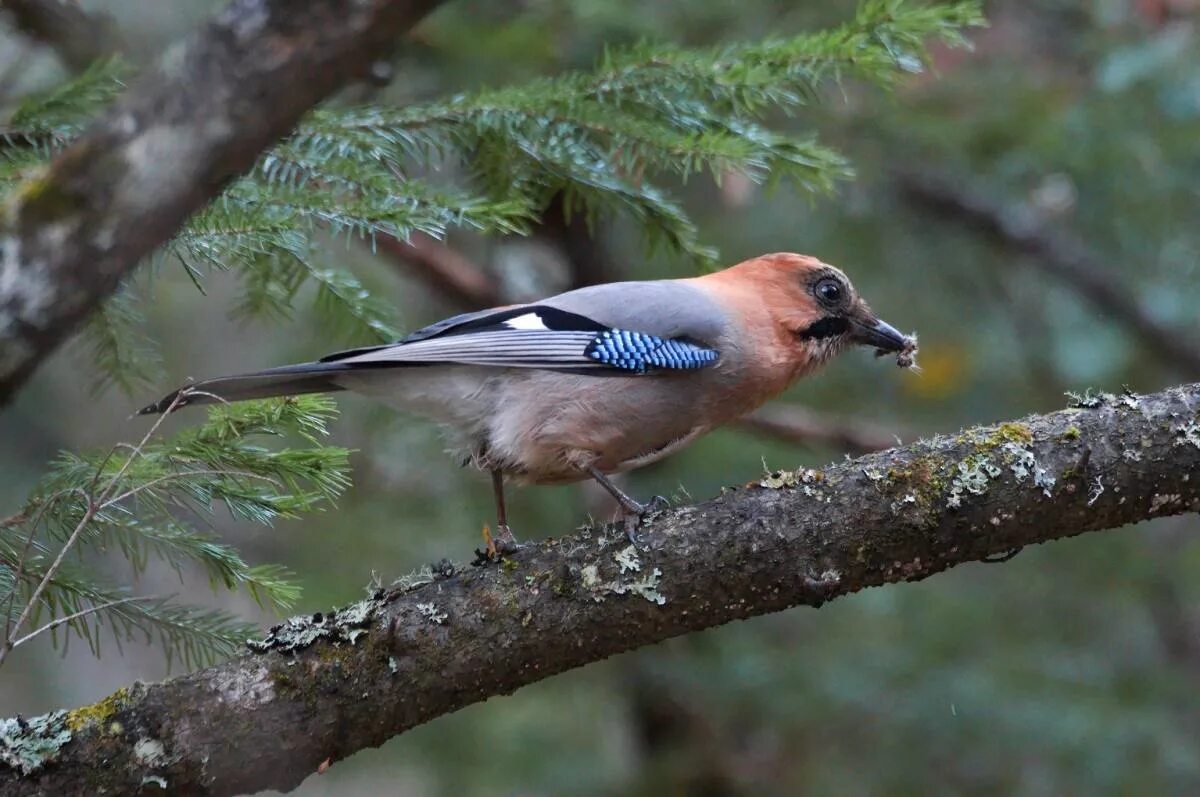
(135, 498)
(71, 234)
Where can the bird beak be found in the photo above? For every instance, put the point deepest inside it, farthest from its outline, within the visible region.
(880, 334)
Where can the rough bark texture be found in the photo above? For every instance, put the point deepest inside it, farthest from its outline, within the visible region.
(324, 687)
(203, 116)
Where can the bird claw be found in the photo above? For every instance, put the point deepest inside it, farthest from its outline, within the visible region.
(658, 503)
(634, 519)
(503, 543)
(631, 523)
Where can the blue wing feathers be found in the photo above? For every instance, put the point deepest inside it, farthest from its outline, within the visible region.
(637, 351)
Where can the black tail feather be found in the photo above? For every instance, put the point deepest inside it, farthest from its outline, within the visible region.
(288, 380)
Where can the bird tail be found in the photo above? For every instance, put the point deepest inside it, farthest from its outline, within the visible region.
(287, 380)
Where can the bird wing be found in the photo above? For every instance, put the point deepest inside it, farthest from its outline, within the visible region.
(535, 336)
(616, 329)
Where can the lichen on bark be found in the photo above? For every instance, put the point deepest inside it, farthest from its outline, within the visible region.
(451, 636)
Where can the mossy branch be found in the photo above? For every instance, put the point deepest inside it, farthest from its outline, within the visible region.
(324, 686)
(70, 234)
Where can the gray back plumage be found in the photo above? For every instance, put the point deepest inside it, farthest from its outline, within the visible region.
(667, 308)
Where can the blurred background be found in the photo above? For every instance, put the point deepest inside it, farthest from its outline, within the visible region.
(1031, 208)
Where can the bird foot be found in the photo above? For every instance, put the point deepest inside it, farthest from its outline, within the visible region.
(658, 503)
(502, 543)
(636, 513)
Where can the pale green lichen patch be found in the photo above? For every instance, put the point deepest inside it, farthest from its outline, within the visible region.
(1024, 466)
(343, 625)
(1188, 434)
(28, 745)
(646, 587)
(415, 579)
(628, 562)
(790, 478)
(244, 686)
(1087, 400)
(1090, 401)
(806, 479)
(149, 752)
(431, 613)
(971, 477)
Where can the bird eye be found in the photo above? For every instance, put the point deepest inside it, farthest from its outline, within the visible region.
(829, 291)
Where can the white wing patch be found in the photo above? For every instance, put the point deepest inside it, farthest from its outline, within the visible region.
(528, 321)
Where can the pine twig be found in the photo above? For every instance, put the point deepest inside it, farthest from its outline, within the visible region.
(76, 616)
(94, 504)
(133, 491)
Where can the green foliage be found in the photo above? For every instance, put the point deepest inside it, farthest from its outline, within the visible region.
(650, 109)
(116, 345)
(617, 139)
(600, 138)
(142, 501)
(47, 121)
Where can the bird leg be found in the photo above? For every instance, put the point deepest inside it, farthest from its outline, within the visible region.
(504, 541)
(633, 510)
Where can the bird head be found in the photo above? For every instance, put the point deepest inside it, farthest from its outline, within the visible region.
(814, 310)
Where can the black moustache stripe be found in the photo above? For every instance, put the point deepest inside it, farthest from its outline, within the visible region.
(828, 327)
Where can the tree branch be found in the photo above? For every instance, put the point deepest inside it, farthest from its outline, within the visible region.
(77, 37)
(170, 145)
(325, 686)
(802, 426)
(1060, 255)
(443, 269)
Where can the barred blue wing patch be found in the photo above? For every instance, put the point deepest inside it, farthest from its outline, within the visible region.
(639, 352)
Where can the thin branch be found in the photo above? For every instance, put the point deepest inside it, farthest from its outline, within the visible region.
(94, 504)
(445, 270)
(1059, 254)
(77, 616)
(795, 424)
(24, 558)
(322, 687)
(132, 491)
(233, 88)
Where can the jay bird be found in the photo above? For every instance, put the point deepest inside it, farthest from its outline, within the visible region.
(598, 380)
